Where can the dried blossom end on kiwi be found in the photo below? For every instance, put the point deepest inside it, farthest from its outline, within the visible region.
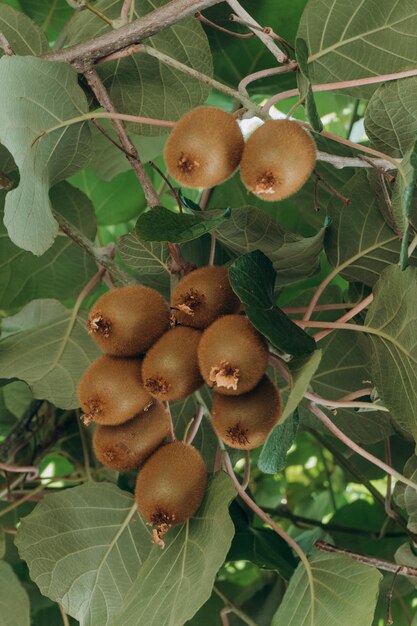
(237, 434)
(186, 164)
(158, 386)
(190, 301)
(266, 183)
(99, 325)
(95, 408)
(225, 375)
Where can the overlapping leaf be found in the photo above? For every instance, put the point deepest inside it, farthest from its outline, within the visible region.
(24, 37)
(345, 593)
(358, 40)
(48, 347)
(37, 95)
(14, 601)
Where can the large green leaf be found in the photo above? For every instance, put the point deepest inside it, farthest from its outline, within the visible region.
(273, 457)
(51, 15)
(345, 593)
(391, 116)
(160, 224)
(48, 347)
(361, 39)
(402, 198)
(343, 368)
(37, 95)
(358, 237)
(252, 277)
(301, 371)
(14, 601)
(59, 273)
(186, 568)
(140, 84)
(393, 315)
(22, 34)
(149, 260)
(293, 257)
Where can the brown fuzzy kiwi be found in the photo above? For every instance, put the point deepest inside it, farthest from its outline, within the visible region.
(170, 486)
(277, 160)
(111, 392)
(125, 447)
(232, 355)
(128, 320)
(202, 296)
(245, 421)
(205, 147)
(170, 368)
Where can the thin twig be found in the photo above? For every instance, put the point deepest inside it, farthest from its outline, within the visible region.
(201, 18)
(388, 459)
(386, 566)
(390, 593)
(99, 14)
(103, 98)
(330, 187)
(195, 425)
(234, 609)
(64, 616)
(171, 425)
(32, 471)
(364, 304)
(271, 71)
(126, 9)
(86, 455)
(166, 179)
(246, 475)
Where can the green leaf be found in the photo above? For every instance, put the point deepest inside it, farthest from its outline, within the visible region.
(35, 96)
(273, 457)
(160, 224)
(359, 241)
(364, 39)
(391, 116)
(140, 84)
(186, 568)
(17, 398)
(394, 349)
(293, 257)
(402, 198)
(304, 85)
(48, 347)
(50, 15)
(252, 278)
(63, 269)
(2, 542)
(14, 601)
(24, 37)
(84, 548)
(345, 593)
(301, 372)
(343, 368)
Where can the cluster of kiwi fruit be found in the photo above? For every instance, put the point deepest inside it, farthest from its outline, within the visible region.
(206, 147)
(154, 354)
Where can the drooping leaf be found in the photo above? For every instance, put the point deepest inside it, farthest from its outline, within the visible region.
(402, 199)
(160, 224)
(59, 273)
(37, 95)
(364, 39)
(304, 85)
(391, 116)
(358, 240)
(252, 277)
(273, 457)
(17, 398)
(140, 84)
(24, 37)
(345, 367)
(301, 371)
(186, 568)
(345, 593)
(48, 347)
(394, 349)
(14, 601)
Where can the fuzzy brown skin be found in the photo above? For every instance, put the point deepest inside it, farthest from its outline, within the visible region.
(202, 296)
(171, 484)
(245, 421)
(128, 320)
(277, 160)
(205, 148)
(125, 447)
(170, 368)
(232, 355)
(111, 392)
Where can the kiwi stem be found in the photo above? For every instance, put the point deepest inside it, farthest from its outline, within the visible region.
(356, 448)
(64, 616)
(192, 430)
(84, 445)
(268, 520)
(271, 71)
(171, 423)
(246, 475)
(212, 248)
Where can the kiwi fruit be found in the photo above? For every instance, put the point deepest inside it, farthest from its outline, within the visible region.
(110, 391)
(232, 355)
(125, 447)
(128, 320)
(170, 486)
(202, 296)
(245, 421)
(277, 160)
(205, 148)
(170, 368)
